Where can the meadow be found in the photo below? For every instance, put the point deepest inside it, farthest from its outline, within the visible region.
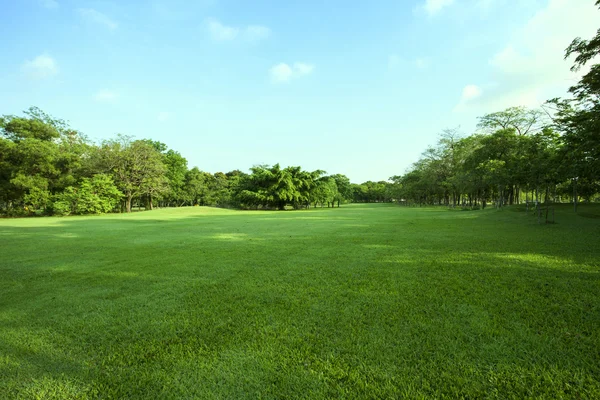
(364, 301)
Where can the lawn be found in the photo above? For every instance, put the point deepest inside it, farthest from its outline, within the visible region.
(364, 301)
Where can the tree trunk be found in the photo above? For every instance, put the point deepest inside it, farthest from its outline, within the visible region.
(128, 203)
(150, 206)
(575, 195)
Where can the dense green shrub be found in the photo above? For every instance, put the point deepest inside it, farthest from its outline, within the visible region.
(96, 195)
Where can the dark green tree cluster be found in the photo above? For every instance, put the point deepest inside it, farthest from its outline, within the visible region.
(275, 188)
(373, 192)
(519, 153)
(48, 168)
(504, 167)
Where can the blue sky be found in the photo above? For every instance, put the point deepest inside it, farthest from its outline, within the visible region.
(359, 88)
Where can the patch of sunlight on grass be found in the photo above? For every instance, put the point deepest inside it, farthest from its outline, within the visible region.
(119, 274)
(378, 246)
(67, 235)
(230, 236)
(534, 260)
(61, 387)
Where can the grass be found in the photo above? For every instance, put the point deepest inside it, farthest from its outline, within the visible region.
(365, 301)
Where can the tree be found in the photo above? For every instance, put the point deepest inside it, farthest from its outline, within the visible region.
(176, 166)
(96, 195)
(344, 188)
(276, 187)
(521, 119)
(40, 156)
(136, 167)
(194, 185)
(578, 119)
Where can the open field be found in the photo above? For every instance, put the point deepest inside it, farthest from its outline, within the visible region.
(365, 301)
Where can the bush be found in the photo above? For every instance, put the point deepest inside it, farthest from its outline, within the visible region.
(94, 195)
(61, 207)
(97, 195)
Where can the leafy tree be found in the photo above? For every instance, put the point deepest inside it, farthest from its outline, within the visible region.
(37, 158)
(195, 185)
(578, 119)
(344, 188)
(136, 167)
(521, 119)
(176, 170)
(96, 195)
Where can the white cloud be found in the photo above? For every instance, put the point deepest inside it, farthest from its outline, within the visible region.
(49, 3)
(106, 96)
(96, 17)
(433, 7)
(530, 68)
(469, 93)
(221, 32)
(163, 116)
(282, 72)
(303, 68)
(41, 67)
(254, 33)
(251, 33)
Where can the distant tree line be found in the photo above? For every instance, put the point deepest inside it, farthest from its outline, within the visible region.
(46, 167)
(519, 154)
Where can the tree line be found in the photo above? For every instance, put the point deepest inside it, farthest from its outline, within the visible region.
(519, 154)
(46, 167)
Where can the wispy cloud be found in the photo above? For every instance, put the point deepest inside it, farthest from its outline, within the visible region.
(49, 3)
(303, 68)
(106, 96)
(469, 93)
(433, 7)
(255, 33)
(282, 72)
(41, 67)
(221, 32)
(96, 17)
(529, 69)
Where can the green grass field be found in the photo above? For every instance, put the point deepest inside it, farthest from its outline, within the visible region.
(365, 301)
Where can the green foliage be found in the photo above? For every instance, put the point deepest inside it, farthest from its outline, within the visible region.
(195, 184)
(274, 187)
(65, 203)
(39, 157)
(522, 120)
(96, 195)
(136, 167)
(578, 119)
(37, 198)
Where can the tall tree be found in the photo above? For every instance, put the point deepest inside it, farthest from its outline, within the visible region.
(136, 166)
(521, 119)
(578, 118)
